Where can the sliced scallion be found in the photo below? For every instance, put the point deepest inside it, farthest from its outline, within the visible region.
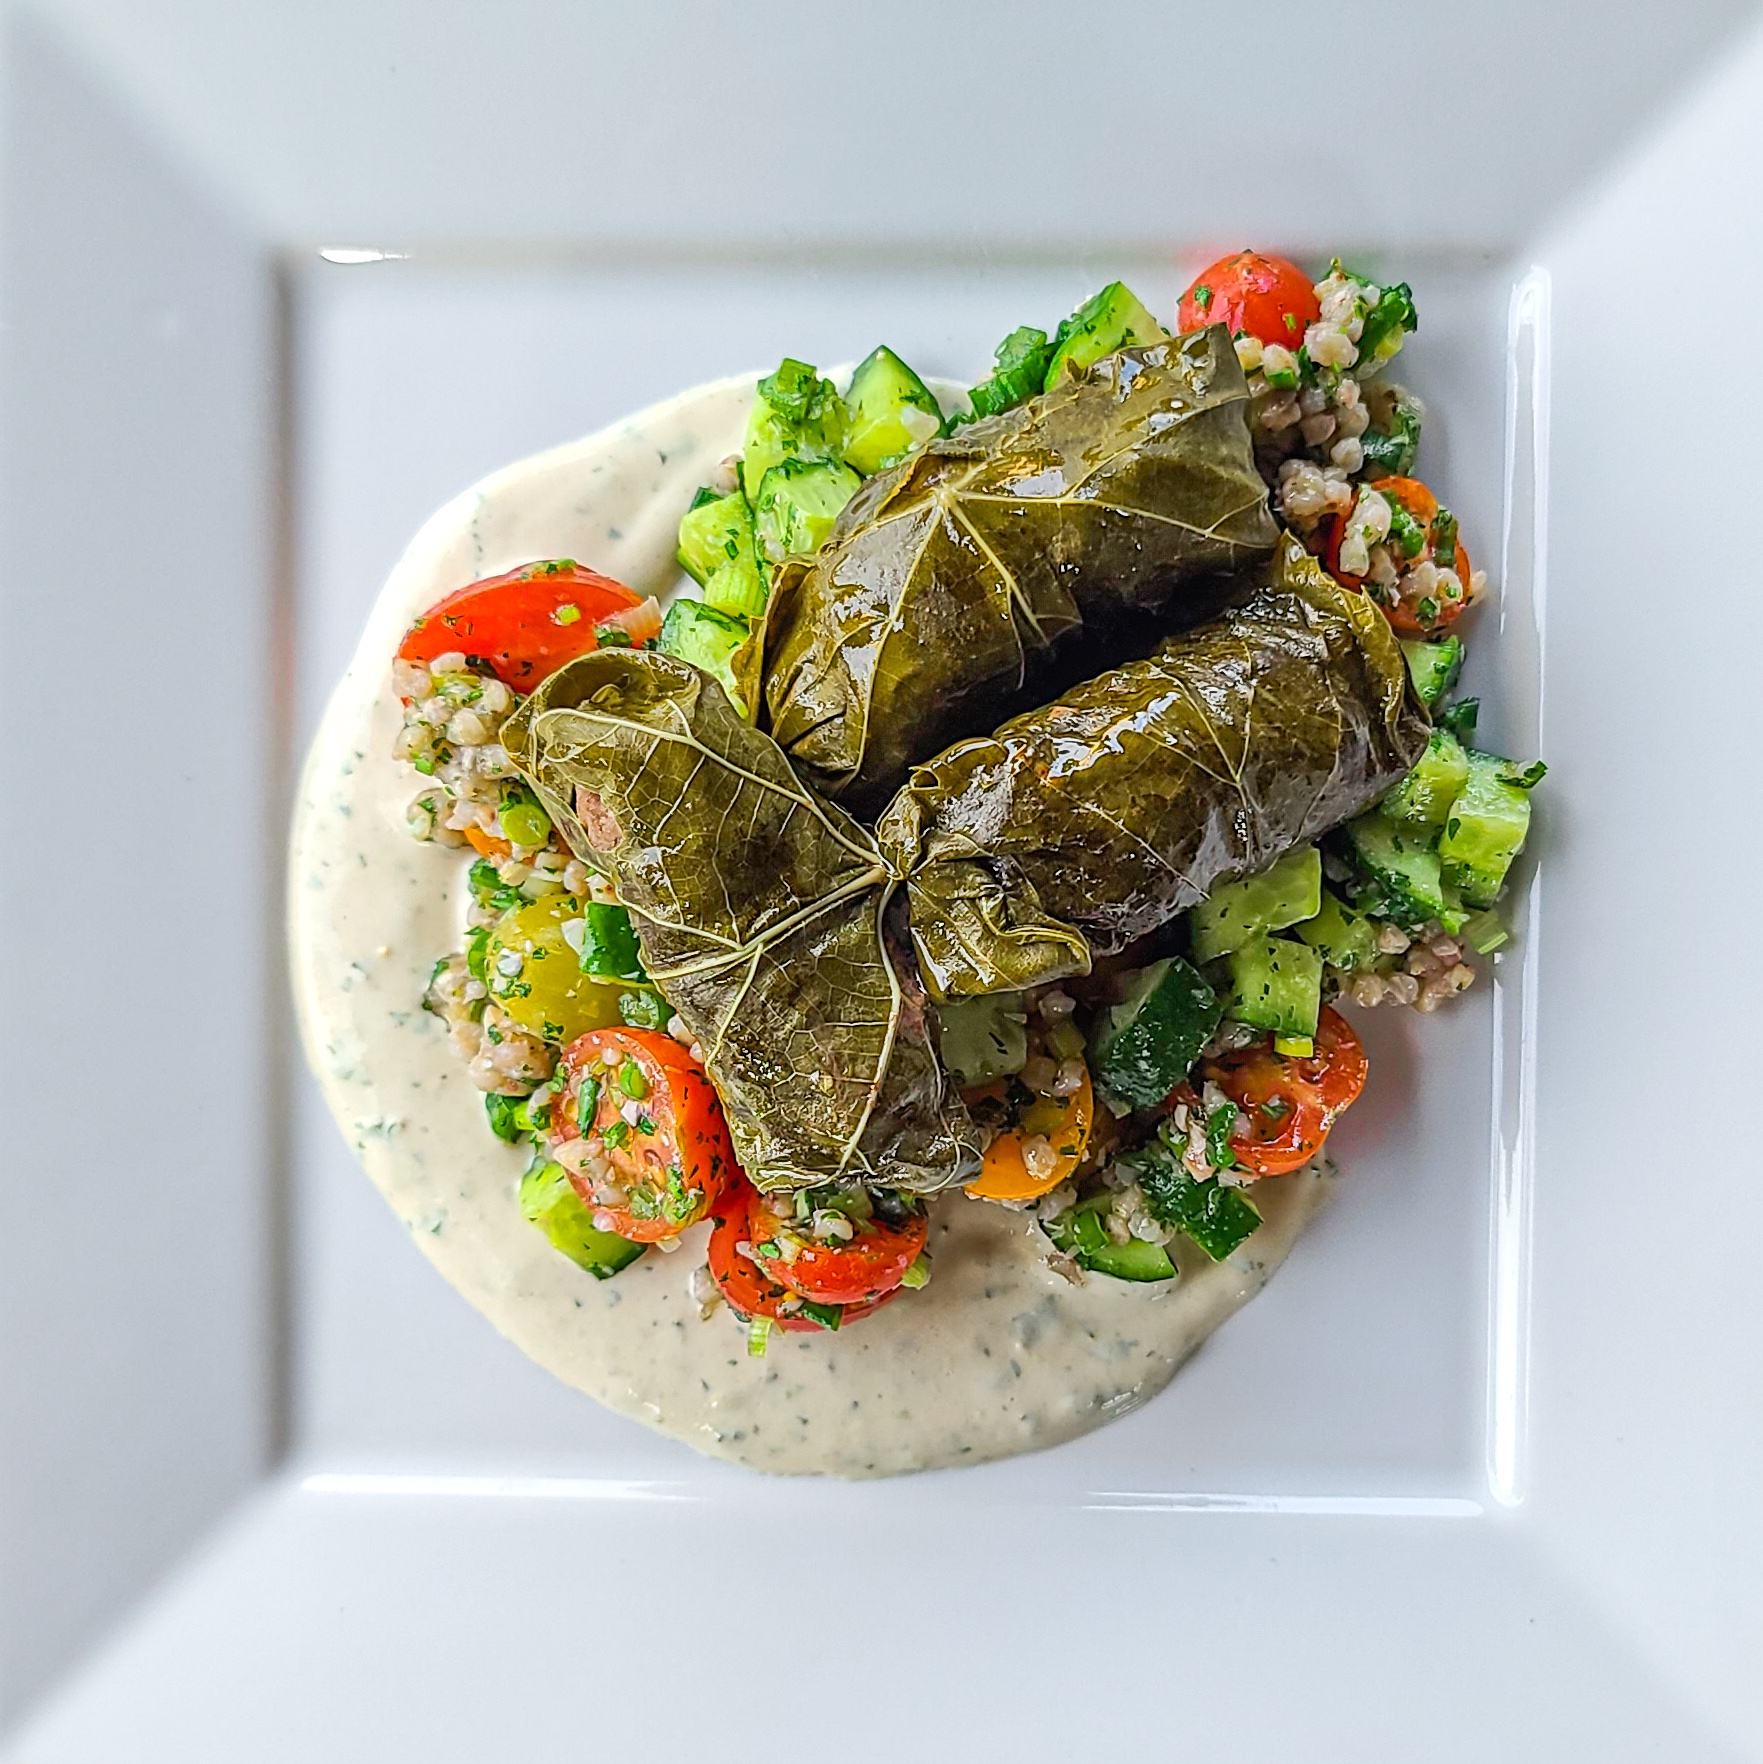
(1484, 933)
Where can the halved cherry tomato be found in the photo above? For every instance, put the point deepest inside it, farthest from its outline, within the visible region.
(874, 1261)
(1266, 296)
(747, 1289)
(674, 1160)
(1291, 1103)
(1064, 1121)
(1412, 496)
(528, 623)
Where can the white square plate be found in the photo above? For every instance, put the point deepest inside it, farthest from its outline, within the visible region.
(1475, 1474)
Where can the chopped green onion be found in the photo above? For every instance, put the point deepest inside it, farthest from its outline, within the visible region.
(758, 1336)
(1484, 933)
(1444, 539)
(567, 615)
(477, 943)
(523, 822)
(504, 1122)
(615, 1134)
(917, 1275)
(827, 1316)
(1294, 1047)
(632, 1082)
(587, 1103)
(1406, 531)
(613, 637)
(1220, 1124)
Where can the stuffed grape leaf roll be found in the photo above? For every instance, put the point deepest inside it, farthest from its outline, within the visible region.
(763, 915)
(947, 581)
(1082, 825)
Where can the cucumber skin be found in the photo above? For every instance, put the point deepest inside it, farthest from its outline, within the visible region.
(1140, 1058)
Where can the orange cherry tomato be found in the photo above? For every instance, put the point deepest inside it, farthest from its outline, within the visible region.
(528, 623)
(1291, 1103)
(672, 1162)
(1413, 497)
(872, 1262)
(1265, 296)
(1063, 1121)
(748, 1290)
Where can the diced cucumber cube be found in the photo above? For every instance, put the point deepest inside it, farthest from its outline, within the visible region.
(1288, 891)
(1105, 322)
(798, 502)
(715, 533)
(1343, 938)
(1425, 796)
(1433, 667)
(1275, 983)
(1402, 866)
(706, 638)
(549, 1202)
(738, 588)
(1080, 1234)
(795, 415)
(893, 413)
(1019, 372)
(1485, 828)
(983, 1038)
(1141, 1048)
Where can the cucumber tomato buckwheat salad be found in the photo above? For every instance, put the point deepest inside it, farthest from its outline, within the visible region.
(909, 979)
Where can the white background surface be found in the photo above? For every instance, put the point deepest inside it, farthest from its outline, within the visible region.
(152, 160)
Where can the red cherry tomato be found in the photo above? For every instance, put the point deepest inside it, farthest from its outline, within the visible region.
(1291, 1103)
(749, 1291)
(1265, 296)
(1405, 613)
(675, 1160)
(874, 1260)
(528, 623)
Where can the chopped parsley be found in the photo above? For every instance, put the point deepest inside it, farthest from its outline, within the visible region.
(1220, 1125)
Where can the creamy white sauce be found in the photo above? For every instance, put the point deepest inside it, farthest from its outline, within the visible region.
(997, 1355)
